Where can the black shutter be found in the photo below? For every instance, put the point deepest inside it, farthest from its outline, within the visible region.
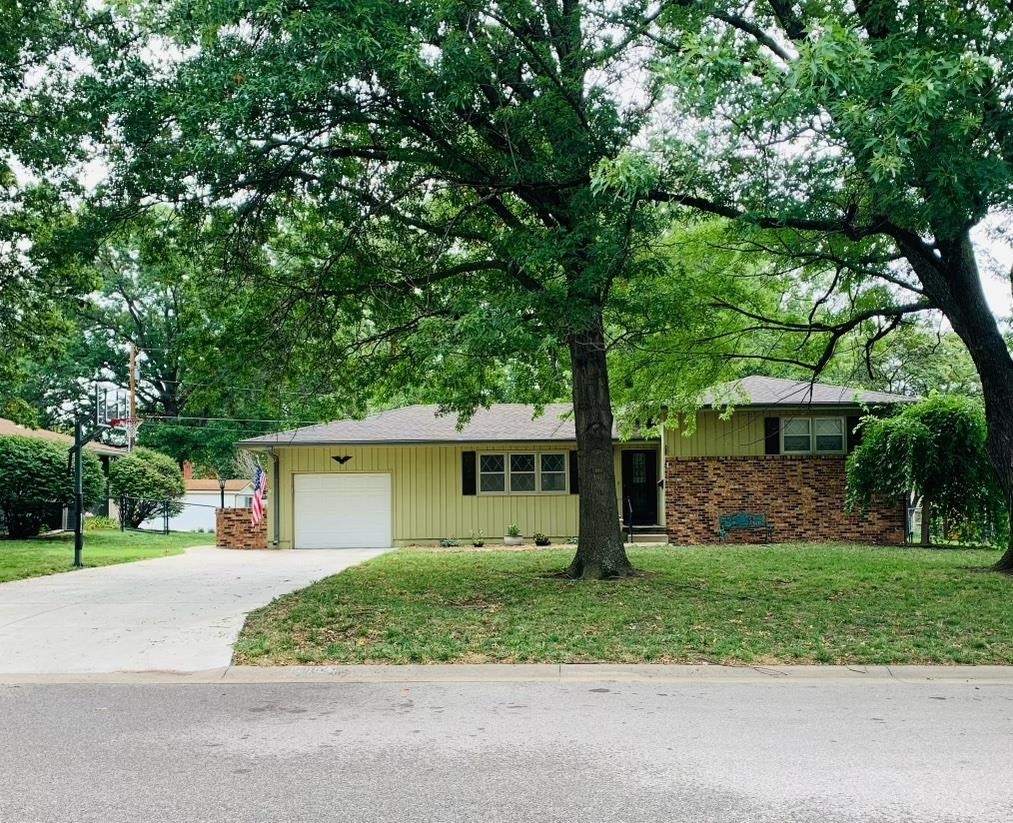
(772, 435)
(574, 474)
(468, 473)
(853, 432)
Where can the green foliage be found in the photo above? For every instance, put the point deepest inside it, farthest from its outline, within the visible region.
(38, 482)
(481, 146)
(53, 116)
(449, 542)
(916, 359)
(147, 480)
(210, 447)
(99, 523)
(935, 448)
(541, 539)
(513, 530)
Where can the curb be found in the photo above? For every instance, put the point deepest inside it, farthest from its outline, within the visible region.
(535, 673)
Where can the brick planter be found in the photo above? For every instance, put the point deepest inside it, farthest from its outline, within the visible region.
(234, 531)
(803, 497)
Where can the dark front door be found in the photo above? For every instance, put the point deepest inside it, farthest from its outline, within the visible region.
(640, 487)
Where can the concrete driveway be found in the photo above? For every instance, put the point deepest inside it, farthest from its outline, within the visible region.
(179, 613)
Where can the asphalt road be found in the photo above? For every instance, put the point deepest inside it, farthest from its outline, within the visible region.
(806, 750)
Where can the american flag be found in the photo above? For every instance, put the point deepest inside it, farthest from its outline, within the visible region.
(259, 495)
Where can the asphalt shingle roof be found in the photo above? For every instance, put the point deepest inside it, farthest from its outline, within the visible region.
(516, 423)
(10, 427)
(505, 422)
(776, 391)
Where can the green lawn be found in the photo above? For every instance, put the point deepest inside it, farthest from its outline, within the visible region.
(755, 605)
(48, 555)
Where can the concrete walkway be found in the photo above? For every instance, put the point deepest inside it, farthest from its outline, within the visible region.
(180, 613)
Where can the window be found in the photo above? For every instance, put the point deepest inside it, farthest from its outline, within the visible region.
(812, 435)
(797, 435)
(247, 502)
(522, 473)
(553, 472)
(829, 432)
(492, 473)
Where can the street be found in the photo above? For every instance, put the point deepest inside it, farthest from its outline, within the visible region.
(824, 749)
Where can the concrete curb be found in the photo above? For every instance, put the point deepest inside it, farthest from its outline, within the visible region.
(537, 673)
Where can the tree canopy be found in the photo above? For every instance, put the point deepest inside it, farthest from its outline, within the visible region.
(412, 188)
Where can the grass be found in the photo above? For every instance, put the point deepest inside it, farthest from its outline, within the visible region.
(735, 605)
(48, 555)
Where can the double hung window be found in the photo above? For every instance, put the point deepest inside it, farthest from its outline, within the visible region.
(812, 435)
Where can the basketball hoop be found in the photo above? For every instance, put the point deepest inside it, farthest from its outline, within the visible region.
(130, 425)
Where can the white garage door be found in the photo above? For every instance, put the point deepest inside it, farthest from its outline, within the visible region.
(338, 511)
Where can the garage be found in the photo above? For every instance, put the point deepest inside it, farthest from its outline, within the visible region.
(340, 511)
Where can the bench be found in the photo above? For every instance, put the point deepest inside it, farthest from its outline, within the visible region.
(743, 521)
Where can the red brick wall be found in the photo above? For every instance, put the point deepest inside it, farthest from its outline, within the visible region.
(803, 498)
(234, 531)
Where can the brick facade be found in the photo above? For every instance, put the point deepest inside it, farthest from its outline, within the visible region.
(803, 498)
(234, 531)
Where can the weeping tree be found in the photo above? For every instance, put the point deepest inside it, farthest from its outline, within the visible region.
(935, 449)
(408, 191)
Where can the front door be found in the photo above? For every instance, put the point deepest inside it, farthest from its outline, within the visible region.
(640, 487)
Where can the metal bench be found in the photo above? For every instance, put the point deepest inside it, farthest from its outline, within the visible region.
(743, 521)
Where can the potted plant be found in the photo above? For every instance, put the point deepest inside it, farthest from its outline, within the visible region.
(541, 539)
(513, 535)
(478, 539)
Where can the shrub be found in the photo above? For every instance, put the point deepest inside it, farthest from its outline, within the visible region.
(38, 481)
(100, 523)
(541, 539)
(146, 480)
(450, 543)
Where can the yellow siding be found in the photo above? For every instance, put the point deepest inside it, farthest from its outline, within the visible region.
(427, 501)
(741, 435)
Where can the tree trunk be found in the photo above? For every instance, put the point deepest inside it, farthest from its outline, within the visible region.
(952, 281)
(926, 530)
(600, 550)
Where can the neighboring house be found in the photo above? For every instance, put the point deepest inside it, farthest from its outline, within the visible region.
(409, 476)
(200, 501)
(105, 453)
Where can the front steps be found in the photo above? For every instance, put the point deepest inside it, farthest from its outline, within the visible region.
(646, 536)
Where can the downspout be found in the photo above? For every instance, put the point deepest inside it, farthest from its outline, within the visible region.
(275, 497)
(663, 517)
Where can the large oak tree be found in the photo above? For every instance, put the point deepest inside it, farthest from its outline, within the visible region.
(422, 178)
(876, 135)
